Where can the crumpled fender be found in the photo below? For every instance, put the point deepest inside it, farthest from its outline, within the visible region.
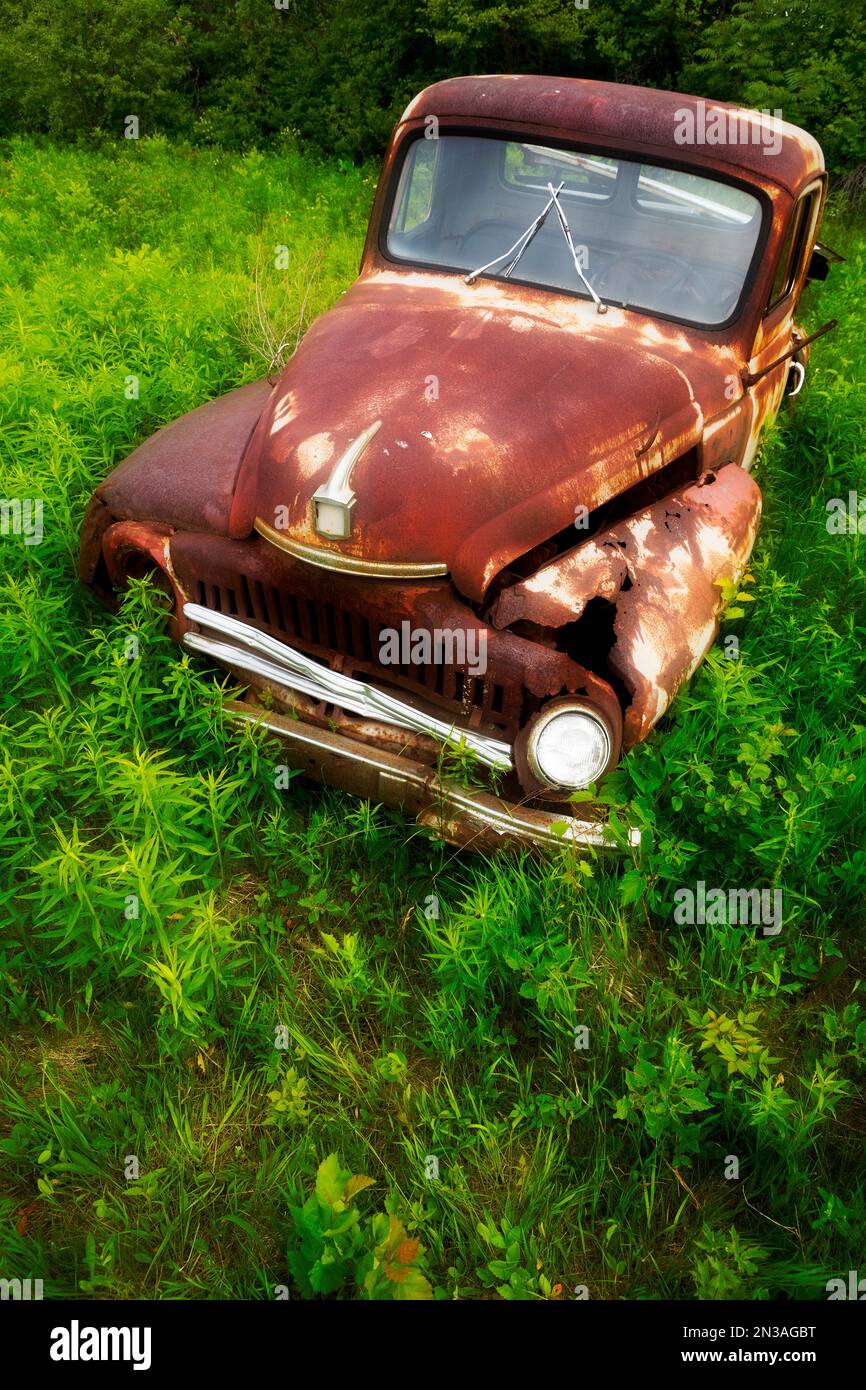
(661, 568)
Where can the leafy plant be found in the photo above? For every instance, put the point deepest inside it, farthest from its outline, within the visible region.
(732, 1044)
(726, 1265)
(333, 1251)
(515, 1270)
(665, 1096)
(289, 1101)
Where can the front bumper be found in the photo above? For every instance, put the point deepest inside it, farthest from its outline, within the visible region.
(337, 727)
(468, 818)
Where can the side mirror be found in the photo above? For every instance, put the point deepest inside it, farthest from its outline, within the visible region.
(820, 261)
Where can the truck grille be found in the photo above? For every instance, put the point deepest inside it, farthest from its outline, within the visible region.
(349, 641)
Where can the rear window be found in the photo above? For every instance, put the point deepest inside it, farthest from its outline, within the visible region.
(588, 176)
(676, 193)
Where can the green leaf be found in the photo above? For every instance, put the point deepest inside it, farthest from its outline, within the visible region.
(331, 1180)
(414, 1288)
(357, 1184)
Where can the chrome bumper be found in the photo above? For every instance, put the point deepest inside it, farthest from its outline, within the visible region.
(462, 816)
(254, 651)
(470, 819)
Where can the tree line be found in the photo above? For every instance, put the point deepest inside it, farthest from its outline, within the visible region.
(334, 75)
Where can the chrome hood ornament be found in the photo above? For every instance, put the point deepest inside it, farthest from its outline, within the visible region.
(331, 516)
(333, 502)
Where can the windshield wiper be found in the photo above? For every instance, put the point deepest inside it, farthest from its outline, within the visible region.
(520, 245)
(522, 241)
(566, 232)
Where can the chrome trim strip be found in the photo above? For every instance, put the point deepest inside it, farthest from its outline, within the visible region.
(276, 661)
(349, 564)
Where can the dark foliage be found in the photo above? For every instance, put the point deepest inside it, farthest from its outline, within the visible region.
(335, 74)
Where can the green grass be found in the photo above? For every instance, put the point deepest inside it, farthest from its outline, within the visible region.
(409, 1034)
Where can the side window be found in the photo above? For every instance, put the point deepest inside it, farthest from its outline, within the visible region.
(793, 249)
(415, 194)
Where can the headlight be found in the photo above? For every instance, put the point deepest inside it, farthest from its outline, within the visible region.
(569, 747)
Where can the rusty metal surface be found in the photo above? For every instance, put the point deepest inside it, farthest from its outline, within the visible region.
(185, 474)
(661, 569)
(640, 118)
(539, 410)
(132, 549)
(420, 748)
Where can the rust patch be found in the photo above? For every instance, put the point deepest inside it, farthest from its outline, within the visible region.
(132, 549)
(661, 568)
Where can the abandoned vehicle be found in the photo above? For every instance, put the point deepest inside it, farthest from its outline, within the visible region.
(520, 445)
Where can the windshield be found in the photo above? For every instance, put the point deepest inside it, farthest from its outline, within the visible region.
(665, 241)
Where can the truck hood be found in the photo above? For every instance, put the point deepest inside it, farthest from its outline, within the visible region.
(502, 410)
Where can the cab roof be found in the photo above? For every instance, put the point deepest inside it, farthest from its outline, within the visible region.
(639, 118)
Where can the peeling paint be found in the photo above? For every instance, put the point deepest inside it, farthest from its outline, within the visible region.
(661, 569)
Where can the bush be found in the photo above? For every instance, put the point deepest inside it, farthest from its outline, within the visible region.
(337, 73)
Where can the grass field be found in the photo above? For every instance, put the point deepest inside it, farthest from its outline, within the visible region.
(166, 910)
